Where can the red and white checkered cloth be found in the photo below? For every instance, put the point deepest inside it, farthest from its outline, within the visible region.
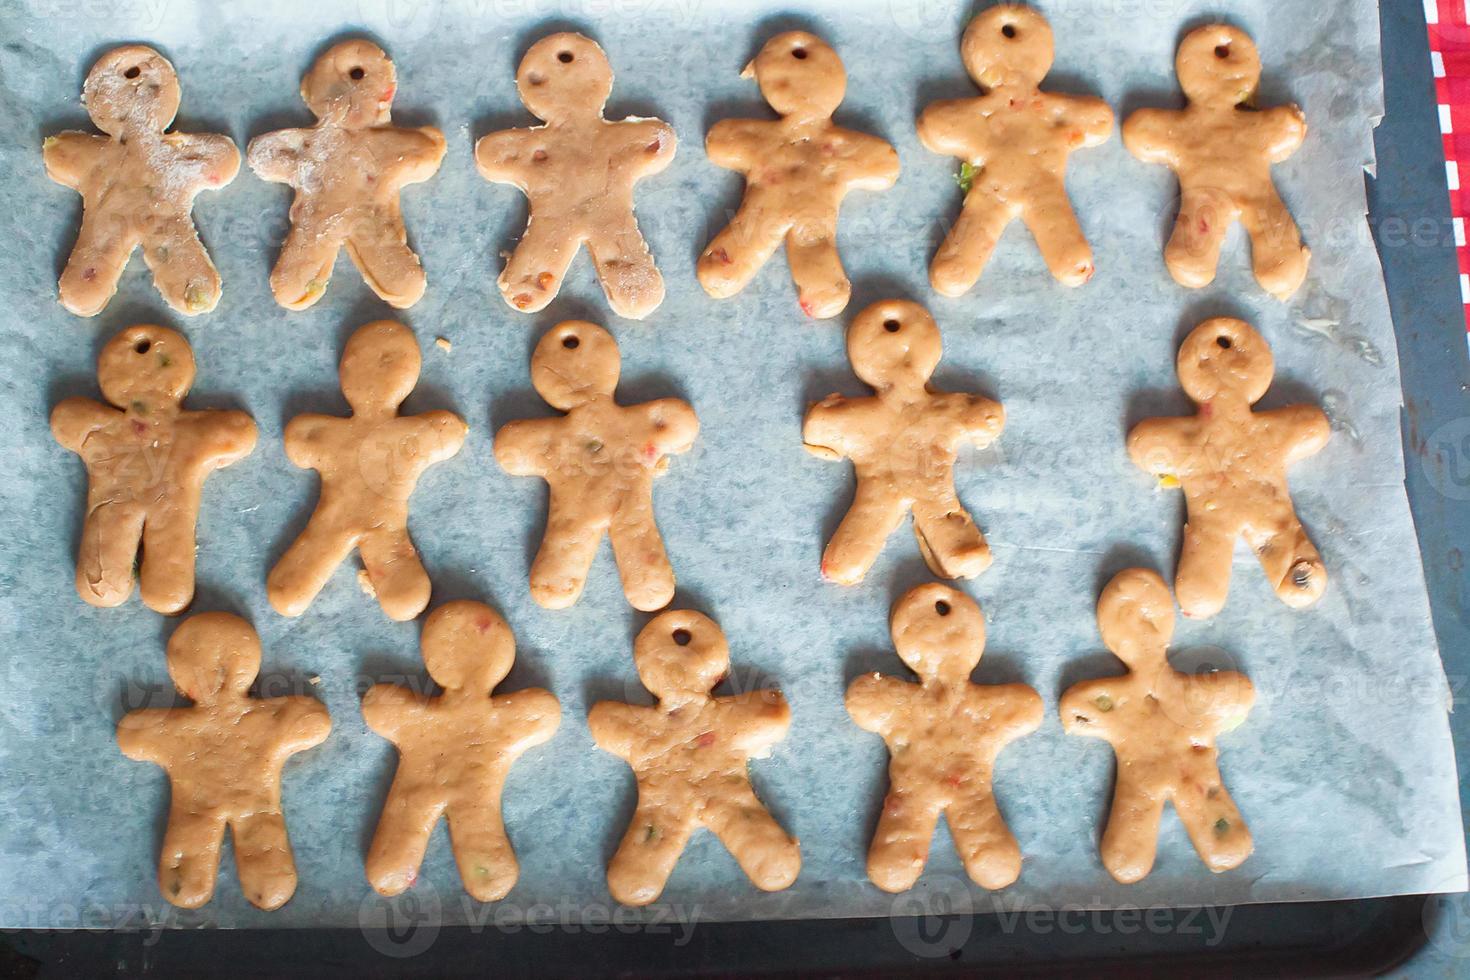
(1449, 53)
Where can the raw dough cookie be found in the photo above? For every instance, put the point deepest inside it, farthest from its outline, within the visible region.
(1222, 150)
(1232, 464)
(347, 172)
(903, 442)
(943, 735)
(146, 461)
(797, 171)
(1162, 725)
(455, 750)
(369, 463)
(599, 460)
(689, 754)
(578, 172)
(138, 185)
(1014, 140)
(223, 756)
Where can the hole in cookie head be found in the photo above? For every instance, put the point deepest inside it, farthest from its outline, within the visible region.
(356, 74)
(941, 607)
(1009, 30)
(891, 326)
(682, 637)
(799, 54)
(133, 72)
(142, 346)
(1222, 51)
(570, 342)
(565, 57)
(1222, 342)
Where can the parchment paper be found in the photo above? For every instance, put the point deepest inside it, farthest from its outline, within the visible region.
(1344, 770)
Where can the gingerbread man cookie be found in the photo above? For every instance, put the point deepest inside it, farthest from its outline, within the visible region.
(690, 754)
(797, 171)
(138, 185)
(147, 458)
(1222, 149)
(1162, 724)
(1231, 462)
(903, 443)
(578, 172)
(369, 463)
(943, 735)
(600, 460)
(347, 172)
(1014, 140)
(455, 750)
(223, 755)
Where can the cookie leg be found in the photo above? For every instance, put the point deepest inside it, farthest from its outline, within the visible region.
(962, 257)
(304, 267)
(306, 566)
(900, 847)
(96, 263)
(1289, 559)
(533, 273)
(487, 863)
(951, 544)
(770, 857)
(562, 562)
(110, 537)
(822, 286)
(182, 271)
(166, 572)
(1193, 251)
(1059, 237)
(188, 863)
(1214, 825)
(263, 859)
(380, 251)
(402, 837)
(859, 539)
(625, 268)
(656, 837)
(737, 253)
(1132, 835)
(1203, 579)
(643, 564)
(1278, 256)
(991, 856)
(396, 573)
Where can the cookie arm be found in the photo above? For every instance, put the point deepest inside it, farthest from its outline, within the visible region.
(145, 734)
(1221, 701)
(447, 432)
(676, 425)
(1148, 135)
(1157, 445)
(502, 156)
(984, 420)
(1091, 115)
(69, 155)
(731, 143)
(946, 127)
(614, 727)
(523, 447)
(304, 723)
(215, 154)
(873, 699)
(824, 431)
(276, 156)
(1303, 430)
(875, 162)
(654, 142)
(385, 708)
(763, 718)
(535, 715)
(74, 419)
(1017, 709)
(228, 435)
(1287, 130)
(1082, 707)
(418, 151)
(303, 439)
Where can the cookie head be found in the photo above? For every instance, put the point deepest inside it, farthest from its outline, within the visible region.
(575, 362)
(1224, 356)
(380, 365)
(131, 88)
(564, 75)
(352, 84)
(800, 75)
(212, 654)
(145, 365)
(1007, 45)
(1218, 66)
(467, 646)
(1135, 615)
(893, 343)
(680, 655)
(939, 632)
